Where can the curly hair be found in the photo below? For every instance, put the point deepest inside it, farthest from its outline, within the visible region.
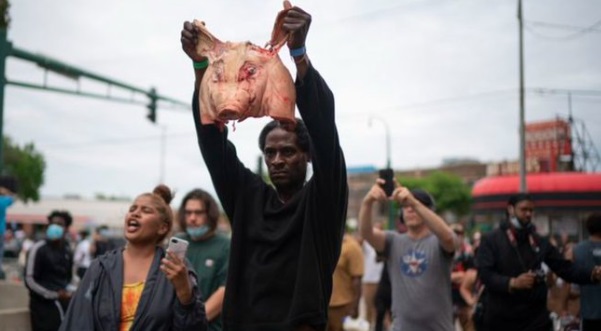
(65, 215)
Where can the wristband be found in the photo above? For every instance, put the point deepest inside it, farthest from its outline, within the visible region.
(201, 65)
(298, 51)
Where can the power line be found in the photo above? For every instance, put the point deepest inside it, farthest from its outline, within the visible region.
(561, 26)
(529, 26)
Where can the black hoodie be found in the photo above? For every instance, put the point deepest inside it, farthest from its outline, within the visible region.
(498, 259)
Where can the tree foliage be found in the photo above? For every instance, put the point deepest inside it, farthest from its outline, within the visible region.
(5, 18)
(27, 165)
(449, 191)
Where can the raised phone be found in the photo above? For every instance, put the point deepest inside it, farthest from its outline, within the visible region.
(178, 246)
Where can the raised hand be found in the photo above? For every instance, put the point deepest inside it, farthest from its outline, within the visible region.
(189, 39)
(297, 22)
(175, 270)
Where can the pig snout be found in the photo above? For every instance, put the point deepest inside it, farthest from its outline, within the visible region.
(233, 102)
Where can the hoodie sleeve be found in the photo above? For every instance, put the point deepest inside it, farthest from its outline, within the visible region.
(80, 314)
(485, 260)
(191, 316)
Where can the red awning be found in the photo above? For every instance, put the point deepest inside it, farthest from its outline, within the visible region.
(558, 182)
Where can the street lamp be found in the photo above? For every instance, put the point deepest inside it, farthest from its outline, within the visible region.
(370, 121)
(388, 165)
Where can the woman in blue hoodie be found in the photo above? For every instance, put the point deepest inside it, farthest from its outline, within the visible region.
(139, 287)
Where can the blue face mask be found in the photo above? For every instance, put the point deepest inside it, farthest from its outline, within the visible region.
(54, 232)
(197, 231)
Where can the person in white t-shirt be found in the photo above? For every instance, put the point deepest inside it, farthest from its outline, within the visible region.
(371, 279)
(83, 255)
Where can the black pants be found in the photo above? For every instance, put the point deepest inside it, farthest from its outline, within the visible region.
(46, 315)
(383, 299)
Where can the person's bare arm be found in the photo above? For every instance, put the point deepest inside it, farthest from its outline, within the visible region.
(467, 287)
(375, 237)
(356, 283)
(214, 304)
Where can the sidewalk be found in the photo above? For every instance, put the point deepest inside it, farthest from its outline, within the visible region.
(14, 299)
(14, 312)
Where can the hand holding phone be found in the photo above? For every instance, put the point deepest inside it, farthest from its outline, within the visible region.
(178, 247)
(388, 176)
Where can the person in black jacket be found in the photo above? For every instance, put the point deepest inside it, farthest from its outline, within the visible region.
(509, 262)
(48, 274)
(286, 238)
(139, 287)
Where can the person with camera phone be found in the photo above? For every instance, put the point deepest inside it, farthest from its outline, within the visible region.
(140, 286)
(509, 262)
(419, 261)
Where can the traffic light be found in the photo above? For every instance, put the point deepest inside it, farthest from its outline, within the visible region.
(152, 106)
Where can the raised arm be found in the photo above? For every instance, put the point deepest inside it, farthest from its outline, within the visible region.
(447, 238)
(218, 153)
(375, 237)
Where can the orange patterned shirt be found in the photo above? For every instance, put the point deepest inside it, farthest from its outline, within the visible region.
(129, 303)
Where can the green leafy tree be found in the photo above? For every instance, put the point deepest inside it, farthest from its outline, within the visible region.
(5, 19)
(449, 191)
(27, 165)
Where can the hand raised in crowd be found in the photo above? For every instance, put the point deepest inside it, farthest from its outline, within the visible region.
(176, 271)
(297, 22)
(376, 193)
(403, 196)
(523, 282)
(189, 39)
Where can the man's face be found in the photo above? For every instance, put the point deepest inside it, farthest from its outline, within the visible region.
(411, 218)
(286, 162)
(522, 210)
(195, 213)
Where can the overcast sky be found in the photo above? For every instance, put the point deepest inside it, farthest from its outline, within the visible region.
(443, 75)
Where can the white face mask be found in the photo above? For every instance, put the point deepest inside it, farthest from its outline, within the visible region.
(516, 222)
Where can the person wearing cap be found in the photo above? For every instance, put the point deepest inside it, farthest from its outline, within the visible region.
(509, 262)
(419, 261)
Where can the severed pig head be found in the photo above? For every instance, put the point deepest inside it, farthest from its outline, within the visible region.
(244, 80)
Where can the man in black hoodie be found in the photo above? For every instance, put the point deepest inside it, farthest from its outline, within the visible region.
(286, 237)
(509, 262)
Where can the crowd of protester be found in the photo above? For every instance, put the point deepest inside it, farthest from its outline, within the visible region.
(289, 263)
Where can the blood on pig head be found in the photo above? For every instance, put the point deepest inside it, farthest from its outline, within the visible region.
(244, 80)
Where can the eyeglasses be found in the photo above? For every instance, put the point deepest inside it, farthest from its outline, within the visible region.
(198, 212)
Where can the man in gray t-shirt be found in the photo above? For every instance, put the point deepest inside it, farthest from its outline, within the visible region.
(419, 261)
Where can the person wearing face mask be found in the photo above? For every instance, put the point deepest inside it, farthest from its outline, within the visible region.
(208, 251)
(48, 273)
(509, 261)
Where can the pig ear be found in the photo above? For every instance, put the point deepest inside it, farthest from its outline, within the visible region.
(278, 35)
(208, 45)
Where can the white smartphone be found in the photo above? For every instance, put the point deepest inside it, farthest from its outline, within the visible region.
(178, 246)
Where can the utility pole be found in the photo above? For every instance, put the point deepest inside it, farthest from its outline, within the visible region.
(163, 152)
(522, 125)
(4, 49)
